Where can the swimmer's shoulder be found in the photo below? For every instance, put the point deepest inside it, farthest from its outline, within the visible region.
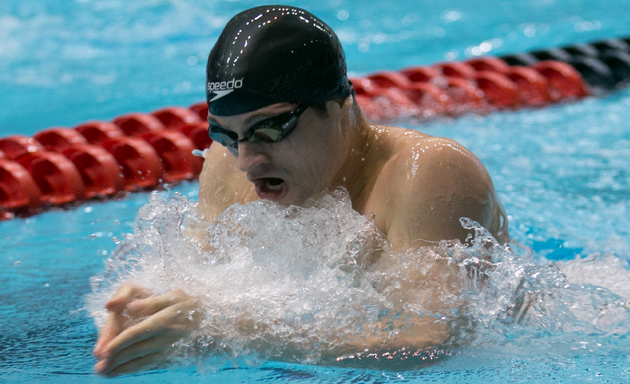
(431, 182)
(221, 184)
(422, 155)
(403, 150)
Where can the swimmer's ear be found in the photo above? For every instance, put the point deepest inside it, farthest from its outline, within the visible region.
(348, 102)
(344, 105)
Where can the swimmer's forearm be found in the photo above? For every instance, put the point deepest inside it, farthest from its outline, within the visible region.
(425, 333)
(421, 333)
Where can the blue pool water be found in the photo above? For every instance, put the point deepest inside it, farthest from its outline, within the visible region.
(561, 171)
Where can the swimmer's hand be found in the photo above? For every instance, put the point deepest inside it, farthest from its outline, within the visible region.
(141, 329)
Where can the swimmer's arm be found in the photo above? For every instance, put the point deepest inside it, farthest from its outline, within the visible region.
(429, 187)
(423, 302)
(141, 329)
(221, 184)
(438, 182)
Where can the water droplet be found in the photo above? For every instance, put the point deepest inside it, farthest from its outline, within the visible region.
(192, 60)
(343, 15)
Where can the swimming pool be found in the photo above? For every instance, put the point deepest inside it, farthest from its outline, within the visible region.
(561, 171)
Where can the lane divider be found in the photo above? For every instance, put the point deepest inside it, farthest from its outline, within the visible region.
(139, 151)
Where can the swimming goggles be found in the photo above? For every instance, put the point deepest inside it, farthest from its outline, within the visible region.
(270, 130)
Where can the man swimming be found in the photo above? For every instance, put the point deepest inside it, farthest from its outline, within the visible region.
(287, 128)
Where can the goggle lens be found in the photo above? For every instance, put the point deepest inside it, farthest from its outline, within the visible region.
(270, 130)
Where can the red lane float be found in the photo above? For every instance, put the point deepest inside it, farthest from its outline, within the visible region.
(456, 69)
(564, 81)
(201, 109)
(198, 134)
(390, 103)
(140, 164)
(380, 103)
(96, 132)
(99, 170)
(389, 79)
(175, 117)
(364, 87)
(420, 74)
(464, 96)
(136, 124)
(489, 63)
(57, 178)
(16, 146)
(57, 139)
(370, 110)
(175, 151)
(17, 187)
(532, 86)
(500, 91)
(430, 99)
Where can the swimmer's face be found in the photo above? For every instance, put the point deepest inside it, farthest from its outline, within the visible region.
(301, 165)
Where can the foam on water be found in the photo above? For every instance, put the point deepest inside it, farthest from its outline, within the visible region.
(293, 283)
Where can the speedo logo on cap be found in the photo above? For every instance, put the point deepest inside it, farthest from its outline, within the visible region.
(222, 88)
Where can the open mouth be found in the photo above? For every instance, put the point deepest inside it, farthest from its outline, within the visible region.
(273, 184)
(270, 188)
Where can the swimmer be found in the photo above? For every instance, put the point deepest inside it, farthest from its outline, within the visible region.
(287, 128)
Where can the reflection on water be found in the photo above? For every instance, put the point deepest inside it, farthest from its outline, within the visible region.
(300, 275)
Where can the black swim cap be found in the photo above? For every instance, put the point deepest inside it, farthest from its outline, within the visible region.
(274, 54)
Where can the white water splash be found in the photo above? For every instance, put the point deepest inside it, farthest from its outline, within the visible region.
(300, 276)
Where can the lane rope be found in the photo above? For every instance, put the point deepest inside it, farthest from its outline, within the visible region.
(61, 166)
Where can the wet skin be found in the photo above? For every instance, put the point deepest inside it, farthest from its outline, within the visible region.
(416, 186)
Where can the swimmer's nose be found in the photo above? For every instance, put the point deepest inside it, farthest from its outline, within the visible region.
(251, 156)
